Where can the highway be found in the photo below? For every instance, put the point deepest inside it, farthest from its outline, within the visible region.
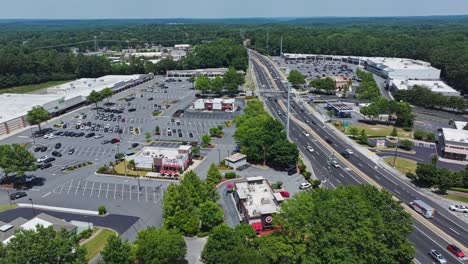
(423, 237)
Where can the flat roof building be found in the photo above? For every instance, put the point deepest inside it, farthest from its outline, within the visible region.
(236, 160)
(215, 104)
(400, 68)
(256, 202)
(163, 160)
(436, 86)
(341, 109)
(455, 143)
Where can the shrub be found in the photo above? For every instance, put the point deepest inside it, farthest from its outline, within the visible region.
(406, 144)
(419, 135)
(102, 210)
(307, 174)
(277, 185)
(230, 175)
(316, 184)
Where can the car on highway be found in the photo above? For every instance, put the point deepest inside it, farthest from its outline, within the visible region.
(41, 159)
(437, 256)
(350, 152)
(310, 148)
(17, 195)
(45, 166)
(306, 133)
(345, 154)
(328, 140)
(305, 185)
(456, 250)
(279, 113)
(335, 164)
(458, 208)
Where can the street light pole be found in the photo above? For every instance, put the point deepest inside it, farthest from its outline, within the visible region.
(396, 151)
(32, 205)
(32, 136)
(219, 156)
(287, 119)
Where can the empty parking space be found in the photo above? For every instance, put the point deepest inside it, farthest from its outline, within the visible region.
(111, 191)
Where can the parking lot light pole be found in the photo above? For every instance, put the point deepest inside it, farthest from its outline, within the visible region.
(219, 156)
(32, 205)
(32, 136)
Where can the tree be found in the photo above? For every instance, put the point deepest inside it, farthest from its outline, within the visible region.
(94, 97)
(159, 245)
(132, 164)
(331, 113)
(211, 215)
(44, 245)
(217, 85)
(157, 130)
(406, 144)
(106, 93)
(394, 132)
(196, 151)
(37, 115)
(363, 137)
(16, 159)
(354, 131)
(214, 175)
(206, 140)
(203, 84)
(327, 84)
(381, 221)
(221, 240)
(232, 79)
(296, 78)
(148, 136)
(116, 251)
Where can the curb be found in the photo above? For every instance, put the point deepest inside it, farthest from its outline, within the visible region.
(59, 209)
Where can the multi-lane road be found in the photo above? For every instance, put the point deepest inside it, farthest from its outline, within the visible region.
(268, 77)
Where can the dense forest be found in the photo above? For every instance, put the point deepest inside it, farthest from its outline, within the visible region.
(443, 41)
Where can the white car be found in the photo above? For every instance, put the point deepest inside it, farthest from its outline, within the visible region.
(107, 126)
(458, 208)
(310, 149)
(78, 123)
(98, 136)
(41, 159)
(46, 136)
(305, 185)
(52, 136)
(350, 152)
(306, 133)
(335, 164)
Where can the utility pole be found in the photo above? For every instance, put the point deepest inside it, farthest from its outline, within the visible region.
(396, 151)
(289, 105)
(281, 46)
(32, 205)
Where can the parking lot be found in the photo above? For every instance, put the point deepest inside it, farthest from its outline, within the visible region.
(110, 191)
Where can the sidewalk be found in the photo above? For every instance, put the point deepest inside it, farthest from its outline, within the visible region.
(58, 209)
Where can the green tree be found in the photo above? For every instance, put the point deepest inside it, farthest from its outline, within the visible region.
(116, 251)
(213, 175)
(211, 215)
(196, 151)
(363, 137)
(206, 140)
(407, 144)
(37, 115)
(106, 93)
(16, 159)
(327, 84)
(296, 78)
(221, 241)
(354, 131)
(157, 130)
(148, 136)
(381, 220)
(94, 97)
(232, 79)
(217, 85)
(203, 84)
(394, 132)
(43, 245)
(159, 245)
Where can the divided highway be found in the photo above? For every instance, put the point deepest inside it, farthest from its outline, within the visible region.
(423, 237)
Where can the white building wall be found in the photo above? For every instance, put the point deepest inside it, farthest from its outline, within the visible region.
(421, 74)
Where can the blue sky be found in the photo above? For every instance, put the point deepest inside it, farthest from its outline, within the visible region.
(223, 8)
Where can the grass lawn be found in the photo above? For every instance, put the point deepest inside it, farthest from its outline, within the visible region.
(459, 189)
(381, 130)
(32, 87)
(402, 164)
(120, 169)
(457, 198)
(95, 245)
(6, 207)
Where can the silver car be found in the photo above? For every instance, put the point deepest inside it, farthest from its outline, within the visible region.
(437, 257)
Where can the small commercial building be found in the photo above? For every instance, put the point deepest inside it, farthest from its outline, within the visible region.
(218, 104)
(8, 230)
(165, 160)
(341, 109)
(454, 143)
(436, 86)
(236, 160)
(256, 203)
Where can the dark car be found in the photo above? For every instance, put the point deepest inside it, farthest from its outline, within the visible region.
(328, 140)
(131, 109)
(291, 169)
(17, 195)
(191, 134)
(134, 145)
(46, 165)
(43, 148)
(49, 160)
(115, 140)
(105, 141)
(58, 145)
(72, 134)
(71, 151)
(90, 135)
(345, 154)
(37, 149)
(56, 153)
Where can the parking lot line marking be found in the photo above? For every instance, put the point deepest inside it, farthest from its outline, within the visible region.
(61, 189)
(154, 195)
(77, 187)
(99, 193)
(122, 190)
(84, 189)
(45, 195)
(92, 189)
(115, 190)
(69, 188)
(130, 189)
(146, 192)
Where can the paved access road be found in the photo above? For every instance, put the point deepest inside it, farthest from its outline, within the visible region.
(444, 220)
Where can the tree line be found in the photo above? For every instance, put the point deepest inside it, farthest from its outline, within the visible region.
(229, 82)
(429, 175)
(367, 89)
(263, 138)
(22, 65)
(423, 96)
(382, 106)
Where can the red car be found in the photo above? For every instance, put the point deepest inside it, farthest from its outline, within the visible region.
(285, 194)
(115, 140)
(455, 250)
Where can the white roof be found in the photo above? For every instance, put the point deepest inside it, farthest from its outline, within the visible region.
(84, 86)
(460, 124)
(32, 224)
(434, 85)
(456, 135)
(15, 105)
(400, 63)
(258, 197)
